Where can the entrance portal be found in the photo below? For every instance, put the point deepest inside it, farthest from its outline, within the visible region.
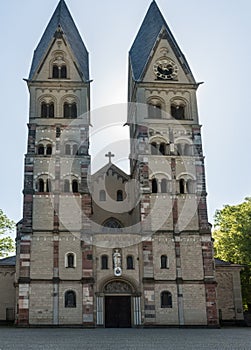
(117, 311)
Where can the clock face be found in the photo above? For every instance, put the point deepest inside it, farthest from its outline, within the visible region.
(165, 69)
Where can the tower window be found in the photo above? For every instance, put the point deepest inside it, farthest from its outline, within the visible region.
(166, 300)
(75, 186)
(40, 150)
(120, 196)
(178, 111)
(48, 150)
(163, 262)
(182, 186)
(47, 110)
(154, 111)
(75, 149)
(190, 186)
(154, 186)
(70, 110)
(68, 150)
(102, 196)
(66, 186)
(163, 186)
(40, 185)
(59, 72)
(104, 262)
(70, 298)
(154, 150)
(129, 262)
(162, 148)
(70, 260)
(48, 185)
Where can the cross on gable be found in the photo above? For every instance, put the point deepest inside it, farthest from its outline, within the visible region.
(110, 155)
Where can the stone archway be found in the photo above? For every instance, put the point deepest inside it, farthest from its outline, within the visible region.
(118, 306)
(118, 313)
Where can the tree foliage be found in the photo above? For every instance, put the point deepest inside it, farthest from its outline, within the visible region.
(6, 242)
(232, 240)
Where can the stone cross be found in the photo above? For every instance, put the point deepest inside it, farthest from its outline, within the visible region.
(110, 155)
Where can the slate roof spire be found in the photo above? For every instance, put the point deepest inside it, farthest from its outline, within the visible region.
(62, 20)
(153, 25)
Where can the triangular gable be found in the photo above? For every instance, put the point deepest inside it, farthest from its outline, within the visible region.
(63, 19)
(104, 170)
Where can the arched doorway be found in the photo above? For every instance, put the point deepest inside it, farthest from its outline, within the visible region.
(118, 304)
(118, 313)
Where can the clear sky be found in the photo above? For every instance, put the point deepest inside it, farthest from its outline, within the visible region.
(214, 35)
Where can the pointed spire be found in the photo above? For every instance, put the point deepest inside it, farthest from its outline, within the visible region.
(62, 21)
(153, 25)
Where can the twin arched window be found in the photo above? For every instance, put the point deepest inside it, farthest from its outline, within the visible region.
(178, 111)
(154, 110)
(160, 187)
(71, 187)
(44, 150)
(71, 149)
(159, 149)
(184, 149)
(47, 110)
(59, 72)
(186, 186)
(44, 185)
(166, 299)
(70, 110)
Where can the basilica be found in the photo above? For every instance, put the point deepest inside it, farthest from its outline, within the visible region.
(112, 249)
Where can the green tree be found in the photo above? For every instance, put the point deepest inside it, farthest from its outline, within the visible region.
(232, 240)
(6, 242)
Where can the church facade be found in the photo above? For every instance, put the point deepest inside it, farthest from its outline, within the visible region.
(111, 249)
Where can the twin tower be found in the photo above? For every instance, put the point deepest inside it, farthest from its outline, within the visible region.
(111, 249)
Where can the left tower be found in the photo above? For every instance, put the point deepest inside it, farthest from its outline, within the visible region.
(51, 257)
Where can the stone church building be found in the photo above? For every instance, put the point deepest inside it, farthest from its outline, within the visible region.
(110, 249)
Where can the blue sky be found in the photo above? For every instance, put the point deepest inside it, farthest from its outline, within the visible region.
(213, 35)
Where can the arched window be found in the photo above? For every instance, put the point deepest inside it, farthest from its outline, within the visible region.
(179, 148)
(182, 186)
(70, 110)
(190, 186)
(70, 260)
(68, 149)
(47, 110)
(112, 223)
(75, 186)
(40, 185)
(48, 185)
(163, 186)
(154, 111)
(55, 71)
(129, 262)
(104, 262)
(70, 299)
(154, 186)
(119, 196)
(154, 150)
(75, 149)
(178, 111)
(43, 110)
(40, 150)
(48, 150)
(63, 72)
(163, 262)
(166, 300)
(162, 149)
(188, 150)
(102, 196)
(66, 186)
